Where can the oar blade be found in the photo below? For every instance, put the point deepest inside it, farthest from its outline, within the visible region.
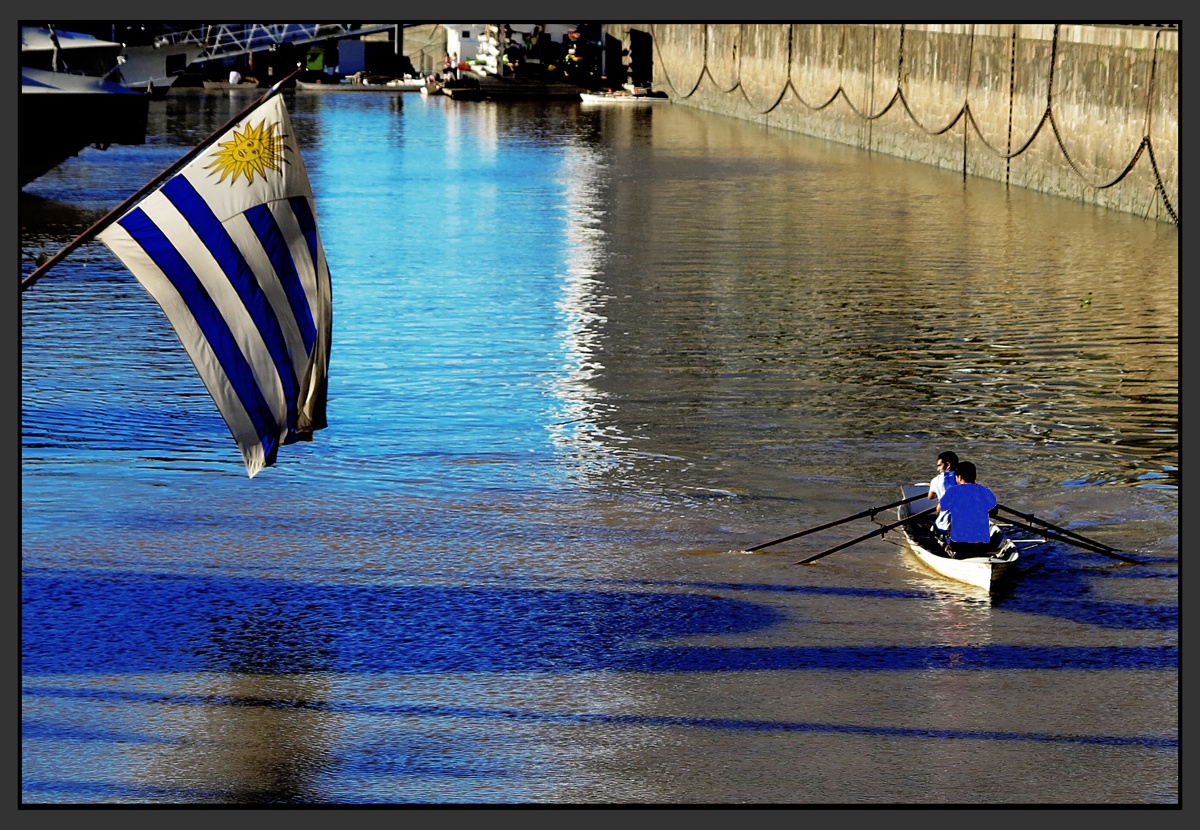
(1036, 520)
(1058, 537)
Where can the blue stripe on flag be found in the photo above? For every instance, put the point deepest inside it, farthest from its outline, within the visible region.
(308, 225)
(210, 231)
(275, 244)
(212, 324)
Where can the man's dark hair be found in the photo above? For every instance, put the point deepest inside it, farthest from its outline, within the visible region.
(966, 471)
(951, 458)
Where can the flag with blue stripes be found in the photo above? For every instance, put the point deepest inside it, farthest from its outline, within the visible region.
(229, 249)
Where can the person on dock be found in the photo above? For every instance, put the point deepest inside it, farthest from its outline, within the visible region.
(946, 462)
(964, 514)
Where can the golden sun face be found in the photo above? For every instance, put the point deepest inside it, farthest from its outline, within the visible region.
(255, 150)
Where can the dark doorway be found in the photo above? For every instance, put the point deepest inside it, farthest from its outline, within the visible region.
(615, 72)
(641, 58)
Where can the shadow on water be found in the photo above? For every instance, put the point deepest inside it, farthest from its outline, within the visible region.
(102, 626)
(1060, 589)
(1065, 587)
(136, 623)
(533, 716)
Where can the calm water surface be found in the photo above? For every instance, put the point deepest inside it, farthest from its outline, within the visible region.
(583, 358)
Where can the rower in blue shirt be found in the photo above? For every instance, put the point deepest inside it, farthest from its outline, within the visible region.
(964, 511)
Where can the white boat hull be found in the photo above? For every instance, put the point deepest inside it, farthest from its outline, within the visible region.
(406, 85)
(59, 114)
(621, 98)
(981, 571)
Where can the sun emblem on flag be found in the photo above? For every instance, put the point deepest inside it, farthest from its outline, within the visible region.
(256, 149)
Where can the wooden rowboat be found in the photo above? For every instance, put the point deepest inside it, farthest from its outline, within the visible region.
(981, 571)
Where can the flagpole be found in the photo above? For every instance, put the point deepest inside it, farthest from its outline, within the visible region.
(116, 212)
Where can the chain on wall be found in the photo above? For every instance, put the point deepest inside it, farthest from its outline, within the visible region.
(898, 97)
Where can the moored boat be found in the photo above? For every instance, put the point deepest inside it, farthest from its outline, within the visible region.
(628, 95)
(981, 571)
(70, 99)
(225, 86)
(154, 68)
(476, 87)
(347, 85)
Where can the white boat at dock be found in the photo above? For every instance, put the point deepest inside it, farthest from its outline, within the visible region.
(154, 68)
(71, 98)
(219, 86)
(629, 94)
(365, 85)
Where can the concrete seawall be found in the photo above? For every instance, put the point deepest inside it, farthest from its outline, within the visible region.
(1089, 113)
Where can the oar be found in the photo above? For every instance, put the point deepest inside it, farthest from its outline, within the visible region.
(1031, 518)
(866, 536)
(871, 512)
(1076, 542)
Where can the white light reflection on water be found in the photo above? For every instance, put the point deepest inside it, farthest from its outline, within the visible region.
(589, 449)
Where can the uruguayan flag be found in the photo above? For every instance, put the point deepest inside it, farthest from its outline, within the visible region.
(229, 249)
